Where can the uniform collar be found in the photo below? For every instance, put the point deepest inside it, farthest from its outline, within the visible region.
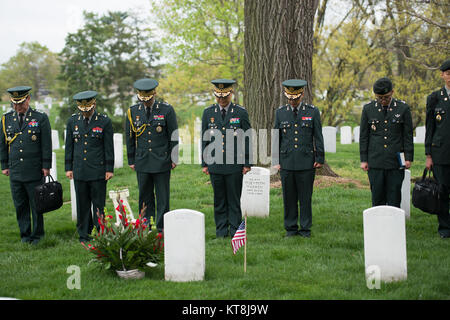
(25, 113)
(448, 90)
(298, 107)
(226, 108)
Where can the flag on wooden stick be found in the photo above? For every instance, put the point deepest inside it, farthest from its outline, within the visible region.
(239, 238)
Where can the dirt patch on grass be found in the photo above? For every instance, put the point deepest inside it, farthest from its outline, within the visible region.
(326, 182)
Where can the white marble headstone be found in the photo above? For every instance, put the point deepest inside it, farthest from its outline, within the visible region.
(184, 245)
(420, 135)
(118, 150)
(406, 194)
(346, 135)
(385, 242)
(53, 170)
(356, 132)
(198, 139)
(73, 200)
(48, 101)
(329, 139)
(255, 197)
(55, 140)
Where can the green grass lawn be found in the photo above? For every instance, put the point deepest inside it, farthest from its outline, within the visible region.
(329, 265)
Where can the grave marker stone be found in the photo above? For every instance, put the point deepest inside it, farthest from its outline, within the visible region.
(385, 242)
(329, 139)
(406, 194)
(356, 132)
(346, 135)
(256, 193)
(118, 150)
(184, 245)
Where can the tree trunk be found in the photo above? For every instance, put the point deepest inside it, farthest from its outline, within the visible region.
(278, 46)
(278, 43)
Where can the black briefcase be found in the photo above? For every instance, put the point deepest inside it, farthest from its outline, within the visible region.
(48, 196)
(428, 195)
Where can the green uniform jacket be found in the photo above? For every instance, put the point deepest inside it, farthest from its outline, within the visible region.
(30, 148)
(300, 139)
(89, 152)
(437, 133)
(150, 141)
(235, 125)
(383, 137)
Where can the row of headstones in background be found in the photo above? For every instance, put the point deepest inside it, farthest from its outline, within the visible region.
(347, 136)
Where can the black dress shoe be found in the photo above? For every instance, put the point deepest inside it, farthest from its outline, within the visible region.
(445, 236)
(304, 234)
(291, 234)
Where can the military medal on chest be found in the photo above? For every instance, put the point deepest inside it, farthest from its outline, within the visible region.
(438, 118)
(159, 117)
(374, 128)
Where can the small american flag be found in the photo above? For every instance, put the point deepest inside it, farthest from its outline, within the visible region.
(239, 238)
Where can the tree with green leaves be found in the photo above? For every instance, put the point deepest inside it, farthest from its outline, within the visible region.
(34, 65)
(203, 40)
(107, 55)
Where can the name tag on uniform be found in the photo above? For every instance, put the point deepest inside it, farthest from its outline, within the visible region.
(235, 120)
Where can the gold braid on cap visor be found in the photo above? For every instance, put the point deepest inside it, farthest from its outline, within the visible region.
(222, 92)
(293, 94)
(145, 95)
(86, 105)
(16, 100)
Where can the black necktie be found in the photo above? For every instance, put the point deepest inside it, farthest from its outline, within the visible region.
(224, 112)
(385, 109)
(148, 113)
(86, 122)
(20, 119)
(295, 112)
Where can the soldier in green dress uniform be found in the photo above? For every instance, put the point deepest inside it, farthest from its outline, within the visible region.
(26, 156)
(151, 137)
(386, 137)
(226, 155)
(300, 151)
(89, 160)
(437, 141)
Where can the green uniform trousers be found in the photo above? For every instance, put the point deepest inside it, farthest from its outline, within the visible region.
(386, 186)
(154, 186)
(297, 187)
(227, 190)
(442, 175)
(91, 196)
(23, 198)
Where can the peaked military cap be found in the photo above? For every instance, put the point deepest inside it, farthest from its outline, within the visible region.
(382, 86)
(445, 66)
(223, 87)
(145, 88)
(293, 88)
(19, 94)
(85, 100)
